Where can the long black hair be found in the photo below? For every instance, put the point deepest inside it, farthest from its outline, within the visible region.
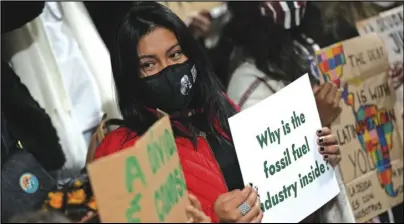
(259, 38)
(209, 94)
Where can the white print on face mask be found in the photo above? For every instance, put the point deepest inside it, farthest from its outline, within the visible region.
(186, 85)
(193, 72)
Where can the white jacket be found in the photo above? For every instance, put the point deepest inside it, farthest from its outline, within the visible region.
(248, 77)
(63, 62)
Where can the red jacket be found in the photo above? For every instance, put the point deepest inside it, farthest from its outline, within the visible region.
(202, 173)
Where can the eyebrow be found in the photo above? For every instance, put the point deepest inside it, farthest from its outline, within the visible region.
(153, 56)
(172, 47)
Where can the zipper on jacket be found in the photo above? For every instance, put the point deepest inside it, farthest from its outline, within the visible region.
(203, 135)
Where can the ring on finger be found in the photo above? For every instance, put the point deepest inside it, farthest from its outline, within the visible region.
(244, 208)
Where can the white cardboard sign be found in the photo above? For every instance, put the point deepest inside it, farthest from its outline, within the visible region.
(276, 145)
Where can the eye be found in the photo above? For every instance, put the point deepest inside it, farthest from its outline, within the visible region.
(176, 55)
(147, 65)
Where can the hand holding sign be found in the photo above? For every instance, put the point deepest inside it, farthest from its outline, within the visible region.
(396, 74)
(329, 146)
(327, 99)
(278, 151)
(194, 211)
(227, 206)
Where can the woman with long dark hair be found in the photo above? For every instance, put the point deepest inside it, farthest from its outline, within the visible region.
(157, 64)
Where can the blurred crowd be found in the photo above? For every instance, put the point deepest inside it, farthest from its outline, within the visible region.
(83, 80)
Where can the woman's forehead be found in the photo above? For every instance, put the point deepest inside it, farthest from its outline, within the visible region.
(158, 40)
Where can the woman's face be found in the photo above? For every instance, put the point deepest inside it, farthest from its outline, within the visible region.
(157, 50)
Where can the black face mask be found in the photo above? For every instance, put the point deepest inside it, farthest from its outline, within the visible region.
(171, 89)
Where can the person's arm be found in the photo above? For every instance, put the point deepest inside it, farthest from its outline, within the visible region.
(327, 98)
(29, 122)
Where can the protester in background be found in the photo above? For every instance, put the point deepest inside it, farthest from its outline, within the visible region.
(330, 22)
(30, 148)
(260, 67)
(207, 28)
(41, 61)
(157, 64)
(200, 25)
(28, 125)
(270, 53)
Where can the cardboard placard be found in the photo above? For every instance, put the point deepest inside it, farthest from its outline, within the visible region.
(389, 25)
(278, 152)
(143, 183)
(185, 9)
(371, 149)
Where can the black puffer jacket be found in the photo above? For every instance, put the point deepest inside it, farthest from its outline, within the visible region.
(27, 122)
(22, 117)
(16, 14)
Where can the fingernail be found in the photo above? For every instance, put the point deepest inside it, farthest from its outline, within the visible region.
(319, 131)
(321, 149)
(320, 140)
(250, 184)
(325, 157)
